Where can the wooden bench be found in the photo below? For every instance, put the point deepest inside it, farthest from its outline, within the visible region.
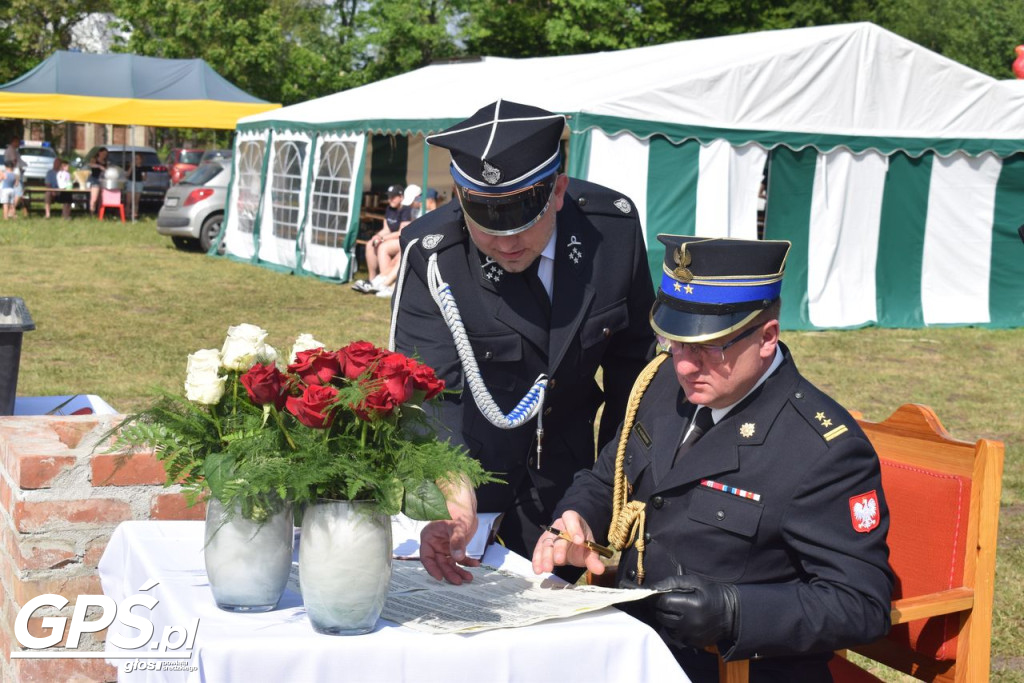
(943, 497)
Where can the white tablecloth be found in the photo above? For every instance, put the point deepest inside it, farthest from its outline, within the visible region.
(606, 645)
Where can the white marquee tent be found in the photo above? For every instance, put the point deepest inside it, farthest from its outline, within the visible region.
(897, 174)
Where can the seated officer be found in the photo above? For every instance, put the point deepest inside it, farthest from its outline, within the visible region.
(517, 292)
(746, 494)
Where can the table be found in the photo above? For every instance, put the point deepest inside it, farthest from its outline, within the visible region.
(78, 198)
(606, 645)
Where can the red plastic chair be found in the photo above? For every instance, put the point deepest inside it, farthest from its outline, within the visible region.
(111, 199)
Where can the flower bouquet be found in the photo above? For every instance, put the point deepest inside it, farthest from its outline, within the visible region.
(253, 436)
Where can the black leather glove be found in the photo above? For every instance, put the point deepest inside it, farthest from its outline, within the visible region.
(697, 612)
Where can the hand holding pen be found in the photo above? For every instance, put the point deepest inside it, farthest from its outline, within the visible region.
(569, 545)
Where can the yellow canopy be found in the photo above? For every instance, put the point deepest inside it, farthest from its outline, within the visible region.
(128, 89)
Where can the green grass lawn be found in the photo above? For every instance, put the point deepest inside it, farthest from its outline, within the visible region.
(117, 309)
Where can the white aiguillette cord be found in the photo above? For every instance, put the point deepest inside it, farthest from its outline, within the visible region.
(531, 404)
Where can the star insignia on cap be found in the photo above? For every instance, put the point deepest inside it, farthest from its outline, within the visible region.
(688, 289)
(431, 241)
(747, 430)
(678, 287)
(623, 205)
(490, 173)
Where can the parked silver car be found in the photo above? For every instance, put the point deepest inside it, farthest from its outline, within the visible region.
(38, 159)
(193, 209)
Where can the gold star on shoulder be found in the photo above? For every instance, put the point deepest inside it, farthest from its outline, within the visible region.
(819, 417)
(677, 286)
(747, 430)
(826, 423)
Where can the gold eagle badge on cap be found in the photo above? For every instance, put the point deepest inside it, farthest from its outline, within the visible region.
(682, 259)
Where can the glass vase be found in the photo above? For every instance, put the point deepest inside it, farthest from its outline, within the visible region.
(247, 562)
(344, 565)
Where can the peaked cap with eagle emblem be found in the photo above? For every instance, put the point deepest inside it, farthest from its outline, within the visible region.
(711, 287)
(505, 159)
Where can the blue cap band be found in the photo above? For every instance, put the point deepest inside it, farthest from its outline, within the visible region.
(734, 292)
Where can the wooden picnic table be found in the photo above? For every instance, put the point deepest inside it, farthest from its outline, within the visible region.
(79, 198)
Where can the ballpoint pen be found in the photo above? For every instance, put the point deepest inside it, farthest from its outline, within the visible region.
(599, 549)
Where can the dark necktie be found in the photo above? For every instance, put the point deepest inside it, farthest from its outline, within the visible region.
(702, 422)
(537, 287)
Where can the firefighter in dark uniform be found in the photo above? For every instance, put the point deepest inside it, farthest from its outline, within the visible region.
(745, 493)
(517, 294)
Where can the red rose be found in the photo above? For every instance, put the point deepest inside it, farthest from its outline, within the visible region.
(312, 408)
(265, 384)
(393, 372)
(357, 357)
(316, 366)
(379, 403)
(424, 380)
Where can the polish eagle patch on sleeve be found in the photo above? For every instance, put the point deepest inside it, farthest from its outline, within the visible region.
(864, 511)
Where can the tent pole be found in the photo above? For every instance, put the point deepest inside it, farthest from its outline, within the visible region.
(131, 141)
(426, 176)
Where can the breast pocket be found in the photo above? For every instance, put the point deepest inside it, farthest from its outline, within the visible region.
(602, 324)
(724, 528)
(498, 357)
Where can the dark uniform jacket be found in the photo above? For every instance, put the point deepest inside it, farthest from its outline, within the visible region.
(810, 564)
(602, 297)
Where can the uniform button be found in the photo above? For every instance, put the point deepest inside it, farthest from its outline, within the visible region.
(606, 332)
(799, 394)
(657, 502)
(551, 384)
(488, 355)
(547, 411)
(647, 538)
(720, 515)
(629, 459)
(582, 201)
(531, 461)
(631, 573)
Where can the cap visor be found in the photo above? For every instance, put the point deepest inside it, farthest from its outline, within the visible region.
(696, 328)
(506, 214)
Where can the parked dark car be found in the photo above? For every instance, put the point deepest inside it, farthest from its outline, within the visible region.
(212, 154)
(181, 161)
(157, 178)
(193, 210)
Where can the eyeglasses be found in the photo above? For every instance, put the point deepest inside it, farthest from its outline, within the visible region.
(709, 353)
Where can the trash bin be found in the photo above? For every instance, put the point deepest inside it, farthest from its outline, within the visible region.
(14, 321)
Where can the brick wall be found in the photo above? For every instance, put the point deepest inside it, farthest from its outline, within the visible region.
(61, 497)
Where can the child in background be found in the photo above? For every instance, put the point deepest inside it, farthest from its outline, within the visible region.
(7, 184)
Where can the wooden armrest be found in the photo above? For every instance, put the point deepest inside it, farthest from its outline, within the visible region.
(932, 605)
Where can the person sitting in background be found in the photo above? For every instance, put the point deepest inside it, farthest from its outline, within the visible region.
(97, 166)
(53, 182)
(382, 250)
(432, 202)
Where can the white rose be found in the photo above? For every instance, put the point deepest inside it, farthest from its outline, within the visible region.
(202, 383)
(243, 343)
(304, 342)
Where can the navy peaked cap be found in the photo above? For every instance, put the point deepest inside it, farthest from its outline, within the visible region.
(711, 287)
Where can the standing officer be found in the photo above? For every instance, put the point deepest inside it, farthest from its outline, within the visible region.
(516, 294)
(743, 490)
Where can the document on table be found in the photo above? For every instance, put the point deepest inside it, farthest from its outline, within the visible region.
(494, 599)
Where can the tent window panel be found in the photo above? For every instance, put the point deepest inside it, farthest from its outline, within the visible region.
(331, 210)
(250, 172)
(286, 187)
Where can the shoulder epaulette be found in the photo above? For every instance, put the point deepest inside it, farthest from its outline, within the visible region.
(597, 199)
(825, 421)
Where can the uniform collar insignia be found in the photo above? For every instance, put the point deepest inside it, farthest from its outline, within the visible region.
(431, 241)
(575, 248)
(623, 205)
(747, 429)
(491, 270)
